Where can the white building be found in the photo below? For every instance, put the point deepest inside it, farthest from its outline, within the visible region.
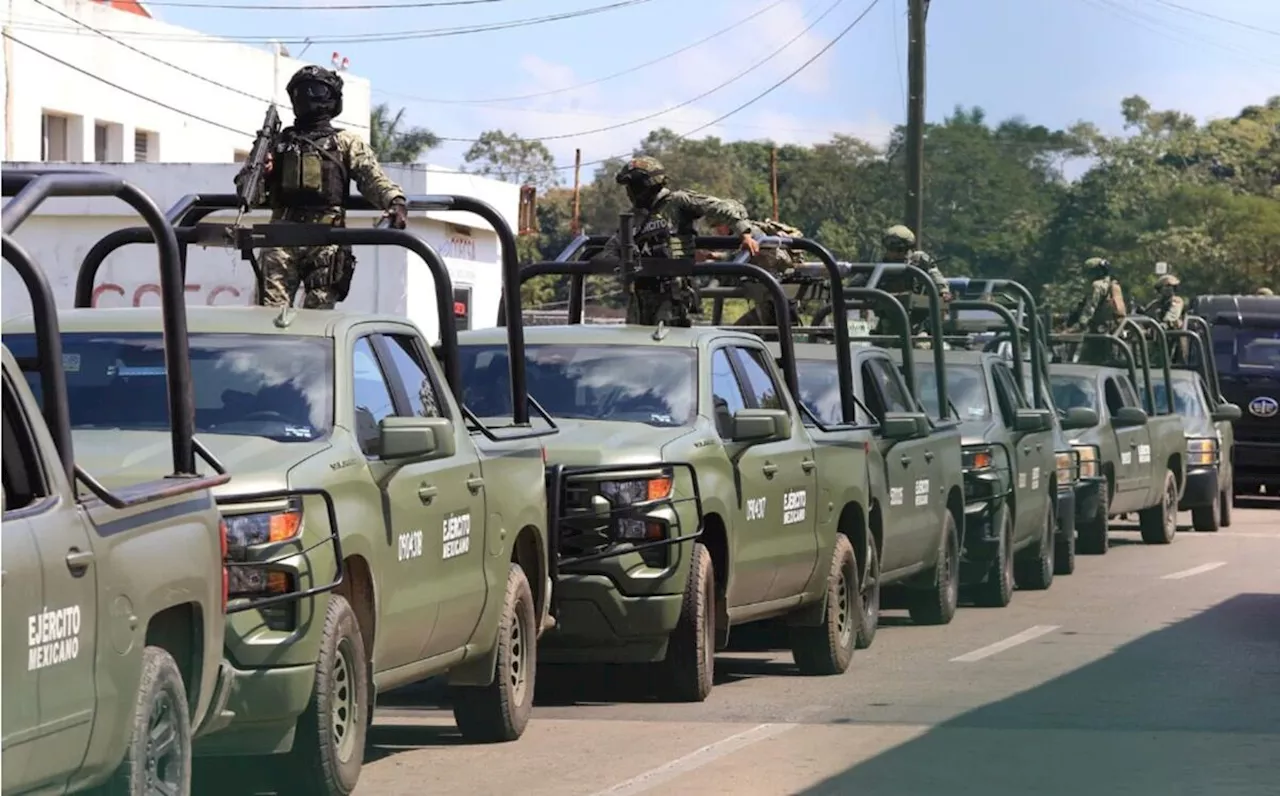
(71, 112)
(387, 279)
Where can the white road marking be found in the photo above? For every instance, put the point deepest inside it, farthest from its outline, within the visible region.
(707, 754)
(1029, 634)
(1186, 573)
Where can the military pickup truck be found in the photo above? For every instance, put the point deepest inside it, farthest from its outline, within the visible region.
(1207, 420)
(1245, 334)
(692, 498)
(378, 536)
(1142, 454)
(113, 597)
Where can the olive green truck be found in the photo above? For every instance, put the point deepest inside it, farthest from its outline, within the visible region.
(377, 534)
(113, 595)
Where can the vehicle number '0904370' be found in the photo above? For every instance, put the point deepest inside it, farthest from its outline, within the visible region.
(456, 535)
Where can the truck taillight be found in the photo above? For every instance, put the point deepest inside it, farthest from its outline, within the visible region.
(226, 575)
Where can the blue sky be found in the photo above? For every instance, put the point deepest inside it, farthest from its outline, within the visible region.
(1051, 61)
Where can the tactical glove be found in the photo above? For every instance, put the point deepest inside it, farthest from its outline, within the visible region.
(398, 213)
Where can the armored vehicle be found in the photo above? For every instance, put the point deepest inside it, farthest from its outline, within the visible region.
(1142, 453)
(113, 594)
(1246, 343)
(378, 535)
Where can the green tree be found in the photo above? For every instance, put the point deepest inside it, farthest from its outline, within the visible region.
(393, 143)
(510, 158)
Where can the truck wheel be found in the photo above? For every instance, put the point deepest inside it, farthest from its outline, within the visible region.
(828, 648)
(1064, 556)
(1092, 533)
(328, 750)
(1160, 522)
(689, 668)
(1205, 519)
(500, 711)
(1225, 501)
(937, 604)
(997, 590)
(1036, 574)
(158, 758)
(870, 595)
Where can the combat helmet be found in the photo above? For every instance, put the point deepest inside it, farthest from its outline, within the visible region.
(898, 238)
(1100, 265)
(644, 178)
(1168, 279)
(1265, 291)
(316, 89)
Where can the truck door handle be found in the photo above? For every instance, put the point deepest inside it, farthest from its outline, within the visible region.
(474, 483)
(426, 492)
(808, 465)
(769, 469)
(78, 561)
(928, 456)
(906, 460)
(1027, 448)
(1133, 444)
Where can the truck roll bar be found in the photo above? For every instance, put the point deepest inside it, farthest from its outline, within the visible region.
(1200, 327)
(189, 211)
(30, 189)
(1136, 322)
(1126, 351)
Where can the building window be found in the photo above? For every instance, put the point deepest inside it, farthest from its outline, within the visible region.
(146, 146)
(54, 141)
(108, 142)
(240, 156)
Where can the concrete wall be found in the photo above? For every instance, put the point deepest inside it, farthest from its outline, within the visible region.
(389, 280)
(35, 84)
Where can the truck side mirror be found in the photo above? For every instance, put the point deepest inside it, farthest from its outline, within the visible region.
(1128, 416)
(903, 425)
(1225, 411)
(1079, 417)
(416, 438)
(1031, 420)
(761, 425)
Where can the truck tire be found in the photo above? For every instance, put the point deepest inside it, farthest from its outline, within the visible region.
(500, 711)
(160, 732)
(869, 589)
(1064, 556)
(997, 590)
(937, 604)
(1160, 522)
(1036, 574)
(686, 674)
(1205, 519)
(1092, 533)
(328, 749)
(1225, 503)
(827, 648)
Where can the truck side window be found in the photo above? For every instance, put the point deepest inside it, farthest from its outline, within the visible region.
(871, 393)
(1009, 397)
(891, 388)
(372, 396)
(764, 390)
(23, 478)
(1130, 395)
(417, 382)
(1115, 399)
(726, 393)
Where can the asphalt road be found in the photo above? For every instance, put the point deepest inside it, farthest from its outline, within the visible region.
(1151, 670)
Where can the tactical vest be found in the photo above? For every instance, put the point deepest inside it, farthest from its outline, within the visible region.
(309, 170)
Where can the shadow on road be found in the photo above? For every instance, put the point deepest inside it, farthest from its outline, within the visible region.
(1193, 708)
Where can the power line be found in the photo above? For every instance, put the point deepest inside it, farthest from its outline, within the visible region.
(424, 33)
(169, 64)
(597, 81)
(1175, 32)
(1225, 20)
(325, 7)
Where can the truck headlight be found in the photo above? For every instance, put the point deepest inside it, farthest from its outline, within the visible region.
(627, 493)
(246, 530)
(1068, 466)
(976, 458)
(1089, 460)
(1202, 451)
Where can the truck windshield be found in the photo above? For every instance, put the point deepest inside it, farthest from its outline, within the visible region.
(279, 387)
(1186, 398)
(1073, 392)
(1247, 348)
(966, 389)
(635, 384)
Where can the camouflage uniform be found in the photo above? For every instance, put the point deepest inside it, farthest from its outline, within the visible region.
(313, 165)
(1170, 310)
(1096, 312)
(664, 228)
(776, 260)
(899, 247)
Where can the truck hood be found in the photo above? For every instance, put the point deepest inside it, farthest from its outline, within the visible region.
(119, 458)
(588, 442)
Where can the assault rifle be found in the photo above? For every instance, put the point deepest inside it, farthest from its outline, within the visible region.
(249, 183)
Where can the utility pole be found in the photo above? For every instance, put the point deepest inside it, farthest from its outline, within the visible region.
(773, 179)
(574, 225)
(917, 11)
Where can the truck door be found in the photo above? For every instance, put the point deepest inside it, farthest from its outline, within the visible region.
(795, 479)
(912, 517)
(21, 590)
(1033, 458)
(1147, 486)
(1131, 481)
(59, 649)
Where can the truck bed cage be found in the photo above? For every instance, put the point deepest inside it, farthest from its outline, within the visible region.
(31, 188)
(189, 211)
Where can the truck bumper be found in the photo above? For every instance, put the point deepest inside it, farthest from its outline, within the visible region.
(1066, 514)
(596, 623)
(1201, 488)
(259, 712)
(1256, 463)
(1090, 498)
(981, 538)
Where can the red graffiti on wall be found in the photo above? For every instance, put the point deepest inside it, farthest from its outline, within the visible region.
(211, 295)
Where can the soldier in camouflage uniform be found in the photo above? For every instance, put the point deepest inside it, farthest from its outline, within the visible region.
(663, 227)
(309, 173)
(1170, 310)
(777, 260)
(900, 247)
(1100, 311)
